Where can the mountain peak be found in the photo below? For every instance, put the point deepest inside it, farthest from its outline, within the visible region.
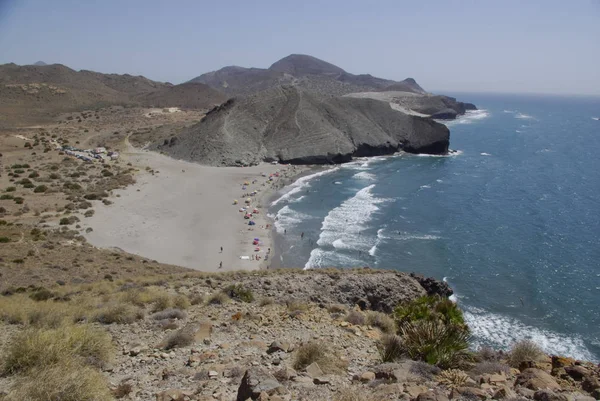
(302, 64)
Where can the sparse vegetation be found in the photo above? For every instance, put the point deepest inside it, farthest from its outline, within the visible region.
(321, 354)
(356, 318)
(453, 378)
(218, 298)
(118, 313)
(40, 189)
(239, 292)
(382, 321)
(181, 338)
(524, 351)
(390, 348)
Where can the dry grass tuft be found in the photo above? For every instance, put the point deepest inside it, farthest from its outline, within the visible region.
(218, 298)
(317, 352)
(378, 319)
(356, 318)
(118, 313)
(169, 314)
(181, 338)
(35, 348)
(524, 351)
(453, 378)
(390, 347)
(64, 381)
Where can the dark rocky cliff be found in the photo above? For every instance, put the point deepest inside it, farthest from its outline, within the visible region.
(291, 125)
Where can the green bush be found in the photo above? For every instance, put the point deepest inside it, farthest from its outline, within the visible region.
(429, 308)
(4, 240)
(390, 348)
(18, 200)
(6, 196)
(34, 174)
(435, 342)
(238, 291)
(11, 189)
(40, 188)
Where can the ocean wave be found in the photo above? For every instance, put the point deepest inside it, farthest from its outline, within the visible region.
(425, 186)
(596, 118)
(404, 236)
(503, 331)
(469, 117)
(523, 116)
(372, 250)
(364, 176)
(300, 184)
(453, 153)
(485, 154)
(288, 217)
(347, 221)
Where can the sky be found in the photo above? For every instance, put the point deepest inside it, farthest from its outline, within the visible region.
(534, 46)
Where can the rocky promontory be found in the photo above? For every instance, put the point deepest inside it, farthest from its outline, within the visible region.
(290, 125)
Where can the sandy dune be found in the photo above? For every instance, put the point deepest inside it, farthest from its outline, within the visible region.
(184, 214)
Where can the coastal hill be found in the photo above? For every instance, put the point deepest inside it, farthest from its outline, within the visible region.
(33, 93)
(292, 125)
(302, 70)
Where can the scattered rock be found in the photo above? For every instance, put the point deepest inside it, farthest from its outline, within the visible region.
(504, 392)
(314, 370)
(577, 372)
(256, 381)
(432, 396)
(171, 395)
(548, 395)
(321, 380)
(537, 379)
(366, 377)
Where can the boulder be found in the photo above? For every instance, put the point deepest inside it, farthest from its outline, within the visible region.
(468, 393)
(504, 392)
(172, 395)
(314, 370)
(397, 372)
(548, 395)
(577, 372)
(367, 377)
(561, 362)
(537, 379)
(432, 396)
(257, 380)
(590, 384)
(414, 390)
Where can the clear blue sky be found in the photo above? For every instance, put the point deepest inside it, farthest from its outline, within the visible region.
(549, 46)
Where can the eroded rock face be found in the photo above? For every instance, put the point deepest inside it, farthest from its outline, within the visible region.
(537, 379)
(291, 125)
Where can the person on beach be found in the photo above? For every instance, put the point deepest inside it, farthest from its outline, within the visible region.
(220, 265)
(221, 249)
(302, 235)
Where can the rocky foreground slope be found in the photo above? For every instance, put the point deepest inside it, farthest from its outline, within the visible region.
(265, 335)
(291, 125)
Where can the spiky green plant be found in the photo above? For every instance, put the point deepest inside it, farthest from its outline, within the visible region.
(435, 342)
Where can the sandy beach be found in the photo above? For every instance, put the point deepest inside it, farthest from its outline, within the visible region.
(184, 213)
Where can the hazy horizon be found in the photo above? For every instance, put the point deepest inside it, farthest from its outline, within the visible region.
(547, 47)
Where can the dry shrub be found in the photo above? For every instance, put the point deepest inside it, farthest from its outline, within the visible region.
(20, 309)
(161, 303)
(453, 378)
(181, 338)
(336, 308)
(265, 301)
(318, 352)
(65, 381)
(390, 348)
(488, 354)
(36, 348)
(169, 314)
(122, 390)
(218, 298)
(296, 306)
(356, 318)
(118, 313)
(181, 302)
(382, 321)
(425, 370)
(524, 351)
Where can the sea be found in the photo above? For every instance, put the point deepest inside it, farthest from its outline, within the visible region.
(511, 219)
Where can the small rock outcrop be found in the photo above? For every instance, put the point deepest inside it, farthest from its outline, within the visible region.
(256, 381)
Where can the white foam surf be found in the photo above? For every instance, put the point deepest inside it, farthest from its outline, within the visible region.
(451, 153)
(363, 175)
(300, 184)
(502, 331)
(596, 118)
(372, 250)
(346, 221)
(523, 116)
(485, 154)
(469, 117)
(287, 218)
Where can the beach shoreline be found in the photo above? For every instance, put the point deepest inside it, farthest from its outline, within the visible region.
(183, 213)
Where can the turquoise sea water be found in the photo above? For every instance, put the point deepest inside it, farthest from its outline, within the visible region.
(511, 221)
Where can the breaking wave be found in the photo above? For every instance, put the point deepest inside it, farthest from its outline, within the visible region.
(300, 184)
(287, 218)
(364, 176)
(346, 221)
(523, 116)
(469, 117)
(502, 331)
